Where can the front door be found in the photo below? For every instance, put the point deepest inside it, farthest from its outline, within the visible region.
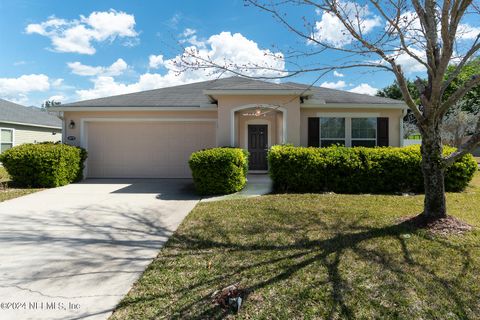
(257, 146)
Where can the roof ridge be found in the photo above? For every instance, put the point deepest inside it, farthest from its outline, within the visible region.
(11, 102)
(14, 112)
(285, 86)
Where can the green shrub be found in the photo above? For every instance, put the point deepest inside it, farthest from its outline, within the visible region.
(359, 170)
(44, 164)
(219, 170)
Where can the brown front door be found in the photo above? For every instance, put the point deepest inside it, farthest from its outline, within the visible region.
(257, 146)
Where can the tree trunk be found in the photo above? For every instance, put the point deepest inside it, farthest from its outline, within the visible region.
(433, 174)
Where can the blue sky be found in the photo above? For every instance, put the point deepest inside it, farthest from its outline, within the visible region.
(73, 50)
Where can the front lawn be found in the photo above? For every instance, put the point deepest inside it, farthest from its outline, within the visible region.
(8, 190)
(315, 256)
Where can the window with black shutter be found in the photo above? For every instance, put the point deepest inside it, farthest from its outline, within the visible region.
(382, 132)
(313, 132)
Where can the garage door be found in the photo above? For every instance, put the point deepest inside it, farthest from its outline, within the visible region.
(155, 149)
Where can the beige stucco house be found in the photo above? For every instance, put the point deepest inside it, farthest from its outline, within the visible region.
(20, 124)
(152, 133)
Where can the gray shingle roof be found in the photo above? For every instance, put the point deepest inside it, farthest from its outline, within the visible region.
(188, 95)
(12, 112)
(191, 95)
(340, 96)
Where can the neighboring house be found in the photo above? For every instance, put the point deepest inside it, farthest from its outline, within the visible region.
(20, 124)
(153, 133)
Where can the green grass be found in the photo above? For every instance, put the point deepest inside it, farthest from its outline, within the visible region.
(8, 190)
(315, 256)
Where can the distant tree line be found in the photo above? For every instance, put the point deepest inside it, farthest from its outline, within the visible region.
(460, 120)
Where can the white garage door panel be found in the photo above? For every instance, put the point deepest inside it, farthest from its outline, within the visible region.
(145, 149)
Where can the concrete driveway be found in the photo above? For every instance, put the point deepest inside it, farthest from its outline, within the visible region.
(74, 252)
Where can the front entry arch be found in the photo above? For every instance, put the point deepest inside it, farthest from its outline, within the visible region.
(236, 129)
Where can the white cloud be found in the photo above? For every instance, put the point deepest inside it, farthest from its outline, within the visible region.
(334, 85)
(330, 29)
(237, 52)
(225, 48)
(19, 99)
(364, 88)
(189, 32)
(467, 32)
(57, 82)
(190, 37)
(155, 62)
(408, 63)
(24, 84)
(78, 35)
(115, 69)
(57, 98)
(337, 74)
(174, 20)
(107, 86)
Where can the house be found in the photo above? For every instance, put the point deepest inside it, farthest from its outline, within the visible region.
(20, 124)
(153, 133)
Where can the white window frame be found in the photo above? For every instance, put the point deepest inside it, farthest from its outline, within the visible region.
(348, 124)
(363, 139)
(13, 136)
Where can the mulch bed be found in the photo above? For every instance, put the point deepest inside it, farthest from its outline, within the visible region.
(443, 226)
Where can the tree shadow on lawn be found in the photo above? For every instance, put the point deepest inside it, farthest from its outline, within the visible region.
(292, 259)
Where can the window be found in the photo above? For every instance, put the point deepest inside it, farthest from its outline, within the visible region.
(348, 129)
(6, 139)
(364, 132)
(332, 131)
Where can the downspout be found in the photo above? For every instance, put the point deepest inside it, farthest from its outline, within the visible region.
(64, 132)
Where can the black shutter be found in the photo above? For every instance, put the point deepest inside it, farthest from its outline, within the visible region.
(313, 132)
(382, 132)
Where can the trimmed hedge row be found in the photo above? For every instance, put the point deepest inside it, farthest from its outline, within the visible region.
(219, 170)
(359, 170)
(44, 165)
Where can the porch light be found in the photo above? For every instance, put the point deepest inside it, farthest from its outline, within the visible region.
(72, 124)
(256, 113)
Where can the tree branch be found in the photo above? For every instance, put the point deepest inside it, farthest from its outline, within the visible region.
(402, 82)
(401, 35)
(473, 49)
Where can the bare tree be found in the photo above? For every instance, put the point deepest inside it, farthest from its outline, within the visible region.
(380, 35)
(457, 124)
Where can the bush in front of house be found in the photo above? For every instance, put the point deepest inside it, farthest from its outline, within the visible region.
(44, 165)
(219, 170)
(359, 170)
